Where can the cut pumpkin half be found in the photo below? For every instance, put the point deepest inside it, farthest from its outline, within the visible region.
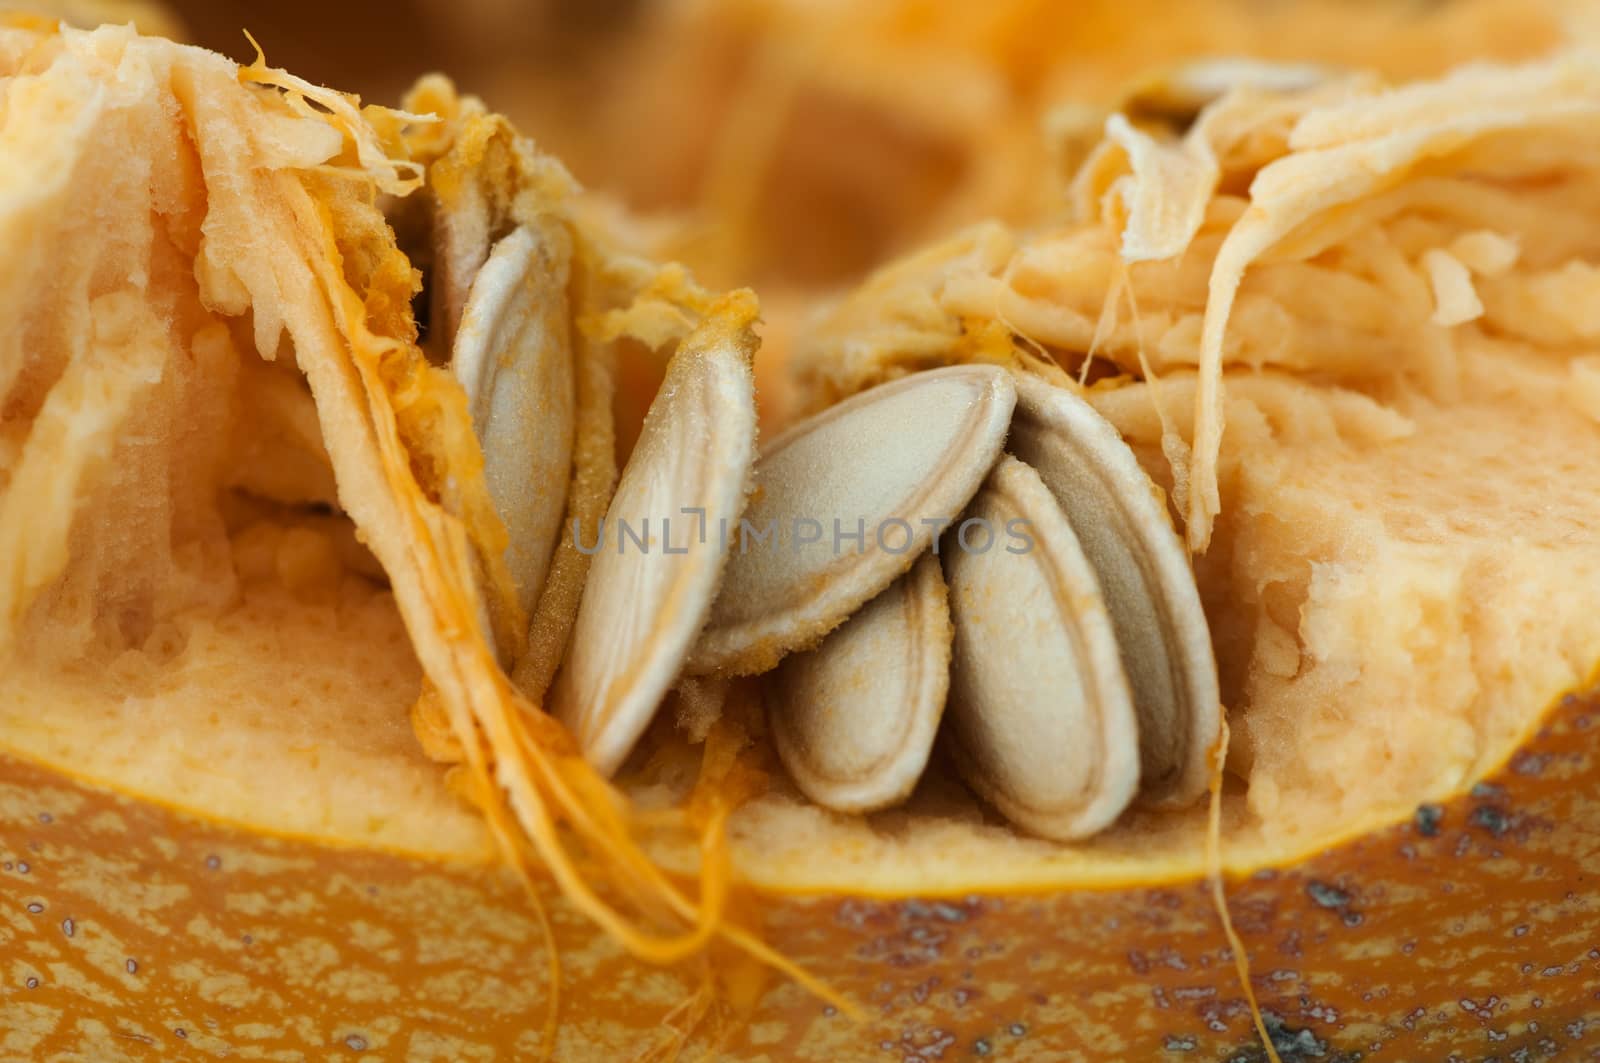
(276, 779)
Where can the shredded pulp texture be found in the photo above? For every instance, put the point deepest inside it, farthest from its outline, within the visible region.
(809, 140)
(801, 142)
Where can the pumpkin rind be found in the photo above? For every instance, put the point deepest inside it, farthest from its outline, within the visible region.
(1462, 933)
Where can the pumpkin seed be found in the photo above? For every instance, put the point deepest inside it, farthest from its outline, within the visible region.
(651, 583)
(513, 357)
(1040, 719)
(589, 490)
(462, 241)
(855, 719)
(850, 499)
(1120, 518)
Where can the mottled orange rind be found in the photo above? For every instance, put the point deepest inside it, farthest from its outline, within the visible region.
(131, 931)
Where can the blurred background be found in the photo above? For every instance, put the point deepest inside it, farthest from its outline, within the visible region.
(797, 143)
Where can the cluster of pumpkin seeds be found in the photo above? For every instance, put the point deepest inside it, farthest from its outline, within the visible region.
(968, 555)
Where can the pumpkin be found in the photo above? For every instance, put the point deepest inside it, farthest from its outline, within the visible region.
(137, 930)
(245, 522)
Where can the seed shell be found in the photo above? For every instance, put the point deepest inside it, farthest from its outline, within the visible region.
(892, 465)
(1039, 718)
(655, 575)
(1120, 519)
(854, 719)
(513, 357)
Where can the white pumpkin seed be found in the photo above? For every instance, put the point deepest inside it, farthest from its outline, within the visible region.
(513, 357)
(850, 498)
(593, 479)
(1040, 719)
(1121, 522)
(855, 719)
(652, 582)
(461, 246)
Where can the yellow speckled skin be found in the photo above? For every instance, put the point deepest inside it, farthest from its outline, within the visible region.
(1471, 932)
